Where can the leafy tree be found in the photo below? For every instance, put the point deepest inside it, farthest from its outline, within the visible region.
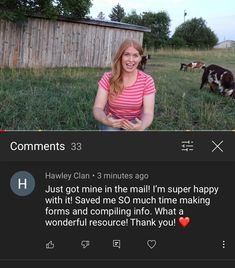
(196, 34)
(74, 8)
(18, 10)
(177, 42)
(13, 10)
(118, 13)
(159, 24)
(133, 18)
(42, 7)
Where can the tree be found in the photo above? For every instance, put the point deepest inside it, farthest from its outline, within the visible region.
(18, 10)
(159, 24)
(133, 18)
(118, 13)
(177, 42)
(42, 7)
(196, 34)
(13, 10)
(74, 8)
(101, 16)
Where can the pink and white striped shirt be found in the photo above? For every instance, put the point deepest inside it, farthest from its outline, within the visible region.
(129, 104)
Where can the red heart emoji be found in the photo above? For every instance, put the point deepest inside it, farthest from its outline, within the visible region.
(184, 221)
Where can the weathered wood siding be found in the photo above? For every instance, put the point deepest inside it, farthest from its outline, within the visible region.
(49, 43)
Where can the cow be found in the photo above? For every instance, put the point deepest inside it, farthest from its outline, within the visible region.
(183, 66)
(220, 80)
(192, 65)
(143, 63)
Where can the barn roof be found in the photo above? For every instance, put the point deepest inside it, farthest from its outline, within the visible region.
(104, 23)
(116, 24)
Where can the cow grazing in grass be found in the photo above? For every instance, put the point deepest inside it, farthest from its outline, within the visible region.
(220, 80)
(192, 66)
(183, 66)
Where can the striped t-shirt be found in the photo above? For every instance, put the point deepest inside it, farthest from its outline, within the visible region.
(129, 104)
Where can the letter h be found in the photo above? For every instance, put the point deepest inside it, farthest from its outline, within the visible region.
(20, 183)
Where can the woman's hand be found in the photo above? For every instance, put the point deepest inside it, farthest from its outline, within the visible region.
(112, 122)
(128, 125)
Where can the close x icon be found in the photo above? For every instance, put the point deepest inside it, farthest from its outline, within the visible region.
(217, 146)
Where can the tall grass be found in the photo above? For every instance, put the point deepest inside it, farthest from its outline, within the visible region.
(62, 98)
(48, 98)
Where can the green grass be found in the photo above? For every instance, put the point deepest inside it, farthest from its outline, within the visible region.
(180, 104)
(62, 98)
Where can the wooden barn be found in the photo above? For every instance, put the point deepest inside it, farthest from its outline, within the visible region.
(41, 42)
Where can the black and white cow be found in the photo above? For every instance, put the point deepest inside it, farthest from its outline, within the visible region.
(220, 80)
(230, 92)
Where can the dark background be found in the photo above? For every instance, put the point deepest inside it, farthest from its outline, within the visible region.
(25, 234)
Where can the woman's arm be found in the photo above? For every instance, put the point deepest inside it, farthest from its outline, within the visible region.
(148, 111)
(147, 116)
(99, 105)
(98, 110)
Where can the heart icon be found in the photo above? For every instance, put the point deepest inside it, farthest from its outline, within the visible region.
(151, 243)
(184, 221)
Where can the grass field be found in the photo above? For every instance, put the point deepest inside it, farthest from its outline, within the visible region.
(62, 98)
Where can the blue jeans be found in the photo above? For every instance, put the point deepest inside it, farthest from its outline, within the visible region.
(103, 127)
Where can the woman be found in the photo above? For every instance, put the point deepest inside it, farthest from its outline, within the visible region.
(126, 96)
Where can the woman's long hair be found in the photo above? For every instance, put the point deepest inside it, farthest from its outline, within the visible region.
(116, 81)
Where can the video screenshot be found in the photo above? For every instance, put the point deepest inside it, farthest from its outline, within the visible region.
(117, 133)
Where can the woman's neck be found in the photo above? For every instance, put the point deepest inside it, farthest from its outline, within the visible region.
(131, 75)
(129, 78)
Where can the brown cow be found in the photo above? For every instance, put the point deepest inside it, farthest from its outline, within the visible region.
(220, 80)
(192, 66)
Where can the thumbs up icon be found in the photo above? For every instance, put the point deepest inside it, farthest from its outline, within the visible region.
(50, 245)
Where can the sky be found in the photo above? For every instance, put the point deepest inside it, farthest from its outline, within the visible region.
(219, 15)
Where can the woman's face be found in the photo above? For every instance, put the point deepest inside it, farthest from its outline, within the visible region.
(130, 59)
